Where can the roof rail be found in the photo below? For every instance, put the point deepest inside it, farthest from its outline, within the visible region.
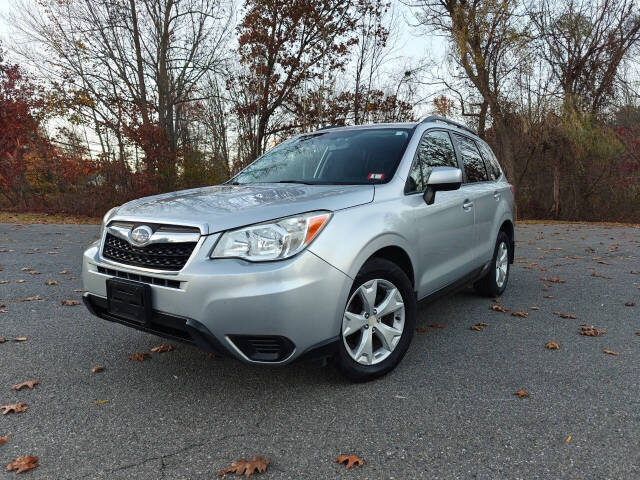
(438, 118)
(327, 127)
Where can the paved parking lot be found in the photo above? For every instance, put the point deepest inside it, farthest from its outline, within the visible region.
(447, 412)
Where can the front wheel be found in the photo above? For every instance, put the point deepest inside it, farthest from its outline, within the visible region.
(378, 321)
(494, 282)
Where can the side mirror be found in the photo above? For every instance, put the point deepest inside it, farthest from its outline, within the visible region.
(442, 179)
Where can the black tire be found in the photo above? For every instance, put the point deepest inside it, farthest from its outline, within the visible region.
(488, 285)
(378, 268)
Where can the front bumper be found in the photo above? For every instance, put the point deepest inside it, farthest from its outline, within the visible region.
(220, 304)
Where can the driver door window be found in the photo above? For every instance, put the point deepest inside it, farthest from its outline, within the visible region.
(435, 150)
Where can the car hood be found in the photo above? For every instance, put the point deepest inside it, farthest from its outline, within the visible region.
(223, 207)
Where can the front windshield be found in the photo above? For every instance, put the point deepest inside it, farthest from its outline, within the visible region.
(331, 157)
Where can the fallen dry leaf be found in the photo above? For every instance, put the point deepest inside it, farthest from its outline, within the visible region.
(97, 369)
(519, 314)
(100, 402)
(435, 325)
(549, 296)
(478, 327)
(421, 329)
(552, 345)
(139, 356)
(70, 303)
(79, 290)
(30, 299)
(350, 460)
(596, 274)
(568, 439)
(609, 352)
(3, 282)
(2, 339)
(20, 339)
(591, 331)
(629, 304)
(20, 281)
(246, 468)
(534, 308)
(4, 439)
(552, 280)
(51, 282)
(23, 464)
(499, 308)
(14, 408)
(162, 349)
(565, 315)
(521, 393)
(33, 272)
(64, 272)
(30, 384)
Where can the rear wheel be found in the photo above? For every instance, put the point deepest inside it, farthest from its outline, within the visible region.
(378, 321)
(495, 280)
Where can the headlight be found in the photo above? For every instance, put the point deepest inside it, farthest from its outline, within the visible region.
(275, 240)
(108, 216)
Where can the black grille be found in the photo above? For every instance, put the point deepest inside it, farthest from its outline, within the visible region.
(163, 282)
(263, 348)
(160, 256)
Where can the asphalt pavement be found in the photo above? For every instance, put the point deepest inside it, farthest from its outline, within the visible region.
(447, 412)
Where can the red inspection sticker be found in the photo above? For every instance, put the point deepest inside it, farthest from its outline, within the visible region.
(375, 176)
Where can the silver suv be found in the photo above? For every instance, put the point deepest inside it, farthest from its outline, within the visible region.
(321, 247)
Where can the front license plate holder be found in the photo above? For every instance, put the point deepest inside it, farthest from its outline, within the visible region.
(129, 300)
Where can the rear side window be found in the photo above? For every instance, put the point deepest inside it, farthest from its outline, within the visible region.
(490, 161)
(472, 160)
(435, 150)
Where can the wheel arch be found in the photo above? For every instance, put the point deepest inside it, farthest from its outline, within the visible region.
(508, 228)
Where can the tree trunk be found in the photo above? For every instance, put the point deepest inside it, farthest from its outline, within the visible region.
(555, 207)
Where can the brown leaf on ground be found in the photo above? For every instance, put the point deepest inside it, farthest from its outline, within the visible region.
(499, 308)
(33, 272)
(435, 325)
(596, 274)
(20, 281)
(591, 331)
(70, 303)
(30, 384)
(20, 339)
(139, 356)
(101, 402)
(519, 314)
(570, 316)
(635, 272)
(97, 369)
(629, 304)
(64, 272)
(51, 282)
(3, 282)
(30, 299)
(4, 439)
(552, 345)
(245, 467)
(609, 352)
(549, 296)
(534, 308)
(552, 280)
(79, 290)
(2, 339)
(521, 393)
(26, 269)
(421, 329)
(350, 460)
(14, 408)
(162, 349)
(478, 327)
(23, 464)
(589, 250)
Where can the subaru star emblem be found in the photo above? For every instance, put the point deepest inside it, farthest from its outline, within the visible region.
(141, 235)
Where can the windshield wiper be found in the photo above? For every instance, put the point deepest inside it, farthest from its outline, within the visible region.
(296, 181)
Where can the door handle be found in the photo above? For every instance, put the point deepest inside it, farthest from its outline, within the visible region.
(467, 205)
(497, 195)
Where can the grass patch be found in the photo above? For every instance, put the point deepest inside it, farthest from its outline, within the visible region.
(45, 218)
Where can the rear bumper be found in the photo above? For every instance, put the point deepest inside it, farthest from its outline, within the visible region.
(271, 312)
